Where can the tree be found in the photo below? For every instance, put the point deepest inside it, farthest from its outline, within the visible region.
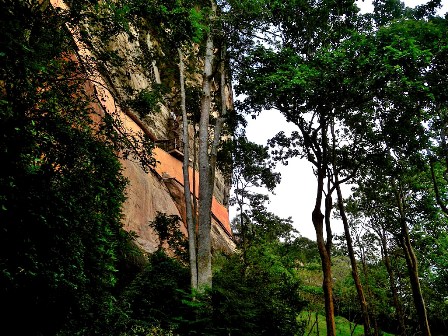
(251, 169)
(186, 34)
(191, 223)
(214, 23)
(289, 77)
(207, 154)
(401, 97)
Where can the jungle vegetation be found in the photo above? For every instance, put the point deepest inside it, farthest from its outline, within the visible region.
(368, 96)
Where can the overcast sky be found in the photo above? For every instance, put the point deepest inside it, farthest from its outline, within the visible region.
(294, 196)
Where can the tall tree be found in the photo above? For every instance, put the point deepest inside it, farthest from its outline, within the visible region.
(207, 148)
(290, 77)
(191, 223)
(187, 30)
(392, 106)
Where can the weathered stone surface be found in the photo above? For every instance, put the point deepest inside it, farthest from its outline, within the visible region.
(147, 195)
(131, 75)
(177, 193)
(221, 240)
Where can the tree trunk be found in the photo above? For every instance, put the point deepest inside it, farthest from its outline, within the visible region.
(437, 191)
(206, 184)
(327, 285)
(328, 207)
(393, 286)
(353, 262)
(318, 222)
(220, 121)
(412, 265)
(187, 191)
(376, 329)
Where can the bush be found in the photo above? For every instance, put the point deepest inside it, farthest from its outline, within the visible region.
(256, 297)
(154, 298)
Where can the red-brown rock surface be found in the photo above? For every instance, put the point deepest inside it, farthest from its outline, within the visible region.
(160, 190)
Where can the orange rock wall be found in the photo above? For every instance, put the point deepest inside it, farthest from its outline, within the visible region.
(169, 167)
(157, 191)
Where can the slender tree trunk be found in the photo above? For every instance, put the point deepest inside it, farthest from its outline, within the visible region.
(318, 222)
(327, 285)
(353, 262)
(393, 286)
(328, 208)
(375, 327)
(206, 183)
(187, 191)
(218, 127)
(195, 191)
(240, 200)
(436, 190)
(412, 265)
(368, 290)
(220, 121)
(348, 238)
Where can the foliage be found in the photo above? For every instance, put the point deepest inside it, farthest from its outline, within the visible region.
(154, 298)
(366, 104)
(252, 165)
(167, 228)
(148, 101)
(265, 271)
(172, 21)
(62, 243)
(378, 79)
(257, 295)
(344, 327)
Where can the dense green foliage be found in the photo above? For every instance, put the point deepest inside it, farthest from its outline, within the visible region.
(66, 263)
(154, 298)
(368, 94)
(61, 239)
(316, 326)
(256, 297)
(254, 293)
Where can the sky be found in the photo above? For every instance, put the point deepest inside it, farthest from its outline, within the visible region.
(294, 196)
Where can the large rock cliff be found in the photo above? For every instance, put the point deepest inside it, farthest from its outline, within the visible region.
(160, 190)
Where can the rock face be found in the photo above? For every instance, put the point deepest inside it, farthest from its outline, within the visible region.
(160, 189)
(146, 195)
